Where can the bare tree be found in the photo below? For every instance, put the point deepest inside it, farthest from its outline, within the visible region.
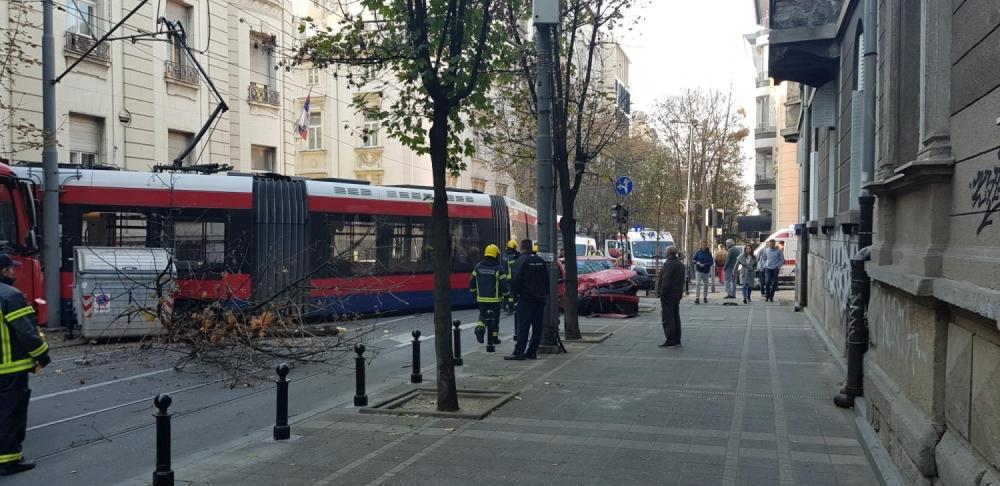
(16, 43)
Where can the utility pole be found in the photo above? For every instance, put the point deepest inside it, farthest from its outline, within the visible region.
(546, 18)
(51, 251)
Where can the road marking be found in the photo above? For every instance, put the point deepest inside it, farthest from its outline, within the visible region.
(103, 383)
(731, 468)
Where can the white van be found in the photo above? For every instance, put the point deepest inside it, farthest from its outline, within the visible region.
(586, 246)
(789, 243)
(648, 249)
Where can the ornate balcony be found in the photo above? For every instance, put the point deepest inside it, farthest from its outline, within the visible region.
(180, 72)
(261, 93)
(79, 44)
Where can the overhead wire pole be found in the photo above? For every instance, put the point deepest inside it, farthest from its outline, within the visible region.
(50, 168)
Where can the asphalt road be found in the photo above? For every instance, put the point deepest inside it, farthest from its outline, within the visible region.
(90, 422)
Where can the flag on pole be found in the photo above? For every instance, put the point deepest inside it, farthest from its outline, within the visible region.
(302, 126)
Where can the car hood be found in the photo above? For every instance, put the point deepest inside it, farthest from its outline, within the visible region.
(604, 277)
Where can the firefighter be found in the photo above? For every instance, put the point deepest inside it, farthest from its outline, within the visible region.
(24, 350)
(509, 255)
(534, 249)
(489, 283)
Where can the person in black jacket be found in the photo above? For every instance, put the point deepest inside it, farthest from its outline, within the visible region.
(489, 283)
(670, 288)
(530, 285)
(24, 350)
(509, 257)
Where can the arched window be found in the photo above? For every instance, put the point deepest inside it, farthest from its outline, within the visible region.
(858, 81)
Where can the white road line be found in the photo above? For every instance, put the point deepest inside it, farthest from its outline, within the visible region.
(98, 385)
(410, 342)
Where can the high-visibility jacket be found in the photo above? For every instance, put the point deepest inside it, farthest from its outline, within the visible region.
(21, 346)
(509, 257)
(489, 280)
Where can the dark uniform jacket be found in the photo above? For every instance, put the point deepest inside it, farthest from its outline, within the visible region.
(670, 281)
(21, 346)
(489, 280)
(509, 257)
(530, 278)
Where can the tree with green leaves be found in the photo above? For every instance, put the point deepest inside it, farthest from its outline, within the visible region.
(436, 60)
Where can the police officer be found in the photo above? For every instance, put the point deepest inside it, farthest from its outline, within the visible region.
(23, 350)
(489, 283)
(509, 256)
(530, 284)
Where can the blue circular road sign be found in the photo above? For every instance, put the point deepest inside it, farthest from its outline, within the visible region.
(624, 186)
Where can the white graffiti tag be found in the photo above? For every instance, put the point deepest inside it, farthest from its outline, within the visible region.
(838, 271)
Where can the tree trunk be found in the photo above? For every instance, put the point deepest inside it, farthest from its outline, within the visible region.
(447, 393)
(571, 325)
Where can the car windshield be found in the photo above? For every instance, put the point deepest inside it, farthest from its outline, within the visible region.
(651, 249)
(8, 220)
(591, 266)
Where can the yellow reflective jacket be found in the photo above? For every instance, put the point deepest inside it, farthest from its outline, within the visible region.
(21, 346)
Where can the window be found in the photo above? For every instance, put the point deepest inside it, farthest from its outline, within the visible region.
(177, 142)
(501, 189)
(858, 80)
(86, 134)
(182, 13)
(262, 158)
(8, 217)
(315, 139)
(374, 177)
(763, 112)
(80, 17)
(465, 245)
(113, 229)
(262, 59)
(312, 76)
(370, 129)
(199, 245)
(479, 185)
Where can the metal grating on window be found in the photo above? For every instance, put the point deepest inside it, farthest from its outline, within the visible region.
(366, 192)
(339, 190)
(451, 198)
(353, 191)
(391, 194)
(416, 195)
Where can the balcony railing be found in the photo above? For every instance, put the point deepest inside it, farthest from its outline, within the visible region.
(763, 80)
(765, 179)
(765, 128)
(261, 93)
(79, 44)
(180, 72)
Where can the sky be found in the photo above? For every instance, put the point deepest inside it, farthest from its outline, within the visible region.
(680, 44)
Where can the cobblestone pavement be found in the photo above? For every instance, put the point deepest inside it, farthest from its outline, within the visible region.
(745, 401)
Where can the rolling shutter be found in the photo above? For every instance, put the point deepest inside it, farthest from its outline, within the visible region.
(85, 134)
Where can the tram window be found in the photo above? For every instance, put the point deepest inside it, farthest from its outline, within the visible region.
(199, 244)
(354, 242)
(113, 229)
(401, 246)
(465, 245)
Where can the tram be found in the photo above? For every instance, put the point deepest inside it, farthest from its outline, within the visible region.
(242, 238)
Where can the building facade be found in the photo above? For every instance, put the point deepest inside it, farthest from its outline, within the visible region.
(134, 105)
(899, 132)
(776, 173)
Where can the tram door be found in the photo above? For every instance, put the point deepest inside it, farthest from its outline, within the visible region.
(281, 250)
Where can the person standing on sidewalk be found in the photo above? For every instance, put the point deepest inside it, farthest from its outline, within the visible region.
(509, 256)
(489, 283)
(720, 263)
(732, 254)
(703, 260)
(24, 351)
(530, 286)
(670, 288)
(773, 258)
(746, 267)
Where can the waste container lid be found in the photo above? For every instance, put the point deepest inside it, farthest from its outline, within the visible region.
(121, 260)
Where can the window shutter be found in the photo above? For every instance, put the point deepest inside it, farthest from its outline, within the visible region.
(824, 106)
(176, 143)
(85, 134)
(177, 11)
(857, 145)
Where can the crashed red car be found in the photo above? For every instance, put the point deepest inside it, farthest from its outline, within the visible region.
(603, 288)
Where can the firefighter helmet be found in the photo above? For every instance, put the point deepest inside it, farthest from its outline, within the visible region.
(511, 245)
(492, 251)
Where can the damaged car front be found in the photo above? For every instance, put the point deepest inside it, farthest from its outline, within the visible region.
(602, 287)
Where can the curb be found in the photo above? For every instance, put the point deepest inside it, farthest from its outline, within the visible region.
(885, 468)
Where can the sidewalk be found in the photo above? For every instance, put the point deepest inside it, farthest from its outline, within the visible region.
(746, 400)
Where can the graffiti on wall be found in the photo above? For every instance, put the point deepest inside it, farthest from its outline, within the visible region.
(893, 333)
(985, 196)
(837, 281)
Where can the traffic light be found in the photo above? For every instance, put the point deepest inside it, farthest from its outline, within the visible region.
(620, 214)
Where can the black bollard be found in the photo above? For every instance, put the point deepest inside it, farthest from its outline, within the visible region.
(163, 475)
(491, 345)
(281, 429)
(360, 397)
(457, 335)
(416, 376)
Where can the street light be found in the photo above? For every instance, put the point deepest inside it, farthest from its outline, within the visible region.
(687, 199)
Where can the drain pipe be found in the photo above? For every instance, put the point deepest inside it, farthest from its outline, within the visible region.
(805, 155)
(857, 326)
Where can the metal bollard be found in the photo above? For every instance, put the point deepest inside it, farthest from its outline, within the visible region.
(457, 338)
(360, 397)
(281, 429)
(416, 376)
(163, 475)
(491, 345)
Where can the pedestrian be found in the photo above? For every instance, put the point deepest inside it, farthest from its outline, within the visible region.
(530, 286)
(773, 258)
(703, 261)
(24, 351)
(746, 267)
(670, 288)
(489, 283)
(720, 262)
(732, 254)
(509, 256)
